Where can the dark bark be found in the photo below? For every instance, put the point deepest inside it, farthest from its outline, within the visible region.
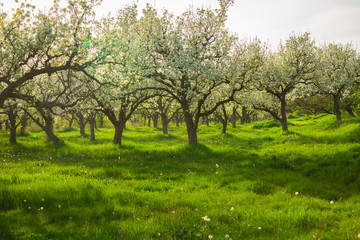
(233, 117)
(92, 127)
(1, 126)
(224, 126)
(191, 129)
(149, 122)
(12, 126)
(119, 128)
(101, 121)
(71, 120)
(7, 125)
(349, 110)
(177, 119)
(337, 107)
(24, 123)
(48, 126)
(244, 115)
(164, 127)
(283, 119)
(155, 119)
(206, 120)
(164, 122)
(49, 130)
(82, 123)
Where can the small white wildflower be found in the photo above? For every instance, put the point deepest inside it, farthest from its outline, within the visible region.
(230, 238)
(232, 209)
(29, 207)
(331, 202)
(296, 193)
(206, 219)
(159, 234)
(173, 211)
(198, 234)
(259, 228)
(42, 199)
(42, 208)
(216, 173)
(217, 165)
(24, 200)
(227, 236)
(359, 235)
(160, 174)
(196, 209)
(42, 172)
(210, 236)
(60, 206)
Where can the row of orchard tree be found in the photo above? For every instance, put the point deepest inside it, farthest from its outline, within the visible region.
(63, 62)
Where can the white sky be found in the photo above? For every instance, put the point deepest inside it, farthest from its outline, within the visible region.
(270, 20)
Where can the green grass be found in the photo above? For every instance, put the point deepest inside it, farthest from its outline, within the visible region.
(157, 187)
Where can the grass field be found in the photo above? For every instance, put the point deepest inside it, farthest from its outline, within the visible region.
(252, 183)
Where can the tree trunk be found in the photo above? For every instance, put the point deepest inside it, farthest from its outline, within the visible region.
(81, 124)
(24, 124)
(206, 120)
(12, 127)
(0, 126)
(233, 118)
(155, 119)
(7, 125)
(52, 137)
(337, 108)
(224, 126)
(164, 122)
(244, 115)
(283, 120)
(350, 111)
(49, 130)
(119, 128)
(149, 122)
(191, 129)
(177, 120)
(101, 122)
(71, 120)
(92, 128)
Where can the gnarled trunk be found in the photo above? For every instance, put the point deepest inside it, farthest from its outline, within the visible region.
(49, 130)
(224, 125)
(233, 118)
(164, 123)
(71, 120)
(82, 124)
(350, 111)
(119, 128)
(337, 107)
(191, 129)
(92, 128)
(155, 119)
(12, 127)
(283, 119)
(24, 123)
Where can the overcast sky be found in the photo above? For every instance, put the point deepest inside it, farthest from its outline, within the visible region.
(270, 20)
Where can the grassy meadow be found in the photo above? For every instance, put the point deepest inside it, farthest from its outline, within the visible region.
(252, 183)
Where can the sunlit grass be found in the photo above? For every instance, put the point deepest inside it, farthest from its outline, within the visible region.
(252, 183)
